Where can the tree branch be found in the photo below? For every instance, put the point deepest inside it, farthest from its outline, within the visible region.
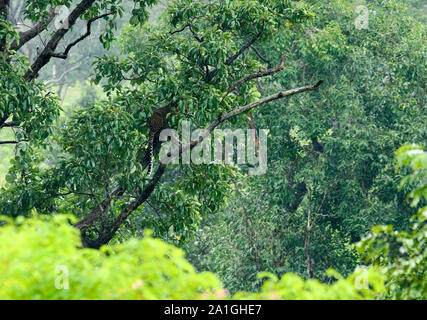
(259, 74)
(12, 142)
(63, 75)
(47, 52)
(241, 110)
(109, 232)
(118, 191)
(64, 55)
(195, 34)
(26, 36)
(106, 235)
(7, 124)
(231, 59)
(190, 27)
(261, 56)
(3, 120)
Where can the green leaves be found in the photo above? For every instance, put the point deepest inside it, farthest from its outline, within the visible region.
(98, 143)
(330, 153)
(292, 287)
(29, 105)
(403, 255)
(340, 141)
(415, 157)
(42, 258)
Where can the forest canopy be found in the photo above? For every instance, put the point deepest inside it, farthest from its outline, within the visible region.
(328, 98)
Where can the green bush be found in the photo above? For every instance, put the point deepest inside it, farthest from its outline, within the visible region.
(42, 258)
(36, 251)
(362, 284)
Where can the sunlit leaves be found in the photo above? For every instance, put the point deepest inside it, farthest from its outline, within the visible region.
(42, 258)
(37, 252)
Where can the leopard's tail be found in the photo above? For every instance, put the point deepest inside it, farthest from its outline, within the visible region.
(151, 164)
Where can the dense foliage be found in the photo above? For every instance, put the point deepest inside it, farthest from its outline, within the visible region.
(339, 86)
(330, 174)
(403, 254)
(42, 258)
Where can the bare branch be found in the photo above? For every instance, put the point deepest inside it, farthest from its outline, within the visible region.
(259, 74)
(64, 55)
(12, 142)
(63, 75)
